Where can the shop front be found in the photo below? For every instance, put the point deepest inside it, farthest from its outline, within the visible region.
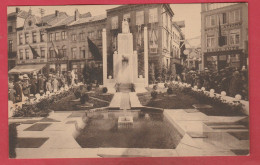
(58, 65)
(216, 61)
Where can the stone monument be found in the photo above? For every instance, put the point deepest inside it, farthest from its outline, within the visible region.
(125, 60)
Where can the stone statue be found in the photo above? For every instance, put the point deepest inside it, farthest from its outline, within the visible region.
(125, 26)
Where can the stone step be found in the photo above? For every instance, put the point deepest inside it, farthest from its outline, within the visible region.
(228, 127)
(134, 101)
(125, 101)
(115, 102)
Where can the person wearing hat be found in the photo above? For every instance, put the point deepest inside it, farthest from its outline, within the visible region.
(40, 84)
(26, 85)
(18, 89)
(33, 83)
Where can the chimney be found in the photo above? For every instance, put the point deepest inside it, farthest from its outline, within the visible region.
(17, 9)
(57, 13)
(77, 14)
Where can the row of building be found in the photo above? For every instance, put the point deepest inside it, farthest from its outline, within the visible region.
(224, 35)
(59, 42)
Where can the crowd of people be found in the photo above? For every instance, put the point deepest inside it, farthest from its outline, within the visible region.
(230, 80)
(28, 85)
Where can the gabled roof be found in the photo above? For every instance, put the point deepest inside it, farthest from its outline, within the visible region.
(89, 19)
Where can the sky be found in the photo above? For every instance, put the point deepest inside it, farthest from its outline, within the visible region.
(190, 13)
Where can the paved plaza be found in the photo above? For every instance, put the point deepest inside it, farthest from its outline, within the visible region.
(202, 135)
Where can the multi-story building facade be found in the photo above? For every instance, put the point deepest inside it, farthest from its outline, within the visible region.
(32, 42)
(85, 34)
(13, 22)
(68, 41)
(158, 20)
(64, 43)
(224, 35)
(177, 45)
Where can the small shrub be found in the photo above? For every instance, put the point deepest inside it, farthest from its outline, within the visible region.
(77, 94)
(165, 85)
(170, 90)
(84, 98)
(104, 90)
(155, 87)
(154, 94)
(89, 88)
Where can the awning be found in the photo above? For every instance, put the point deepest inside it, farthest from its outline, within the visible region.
(26, 68)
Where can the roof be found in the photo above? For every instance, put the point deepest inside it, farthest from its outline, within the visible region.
(22, 14)
(63, 22)
(88, 14)
(89, 19)
(51, 17)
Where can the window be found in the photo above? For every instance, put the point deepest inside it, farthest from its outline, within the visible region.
(21, 54)
(210, 41)
(74, 53)
(20, 39)
(64, 51)
(82, 36)
(42, 52)
(74, 37)
(234, 16)
(139, 17)
(63, 68)
(222, 18)
(52, 53)
(210, 20)
(153, 15)
(34, 37)
(91, 34)
(42, 36)
(224, 39)
(51, 37)
(114, 22)
(27, 54)
(99, 33)
(10, 45)
(82, 52)
(233, 60)
(127, 17)
(10, 29)
(57, 36)
(234, 37)
(26, 38)
(63, 35)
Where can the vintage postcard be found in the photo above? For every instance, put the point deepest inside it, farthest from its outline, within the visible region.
(140, 80)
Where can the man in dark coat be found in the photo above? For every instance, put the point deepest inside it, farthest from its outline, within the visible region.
(18, 89)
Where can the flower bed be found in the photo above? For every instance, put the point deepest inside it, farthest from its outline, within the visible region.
(209, 97)
(39, 107)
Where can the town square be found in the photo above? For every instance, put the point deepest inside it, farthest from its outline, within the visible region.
(128, 81)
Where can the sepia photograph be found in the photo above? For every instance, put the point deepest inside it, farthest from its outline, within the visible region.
(137, 80)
